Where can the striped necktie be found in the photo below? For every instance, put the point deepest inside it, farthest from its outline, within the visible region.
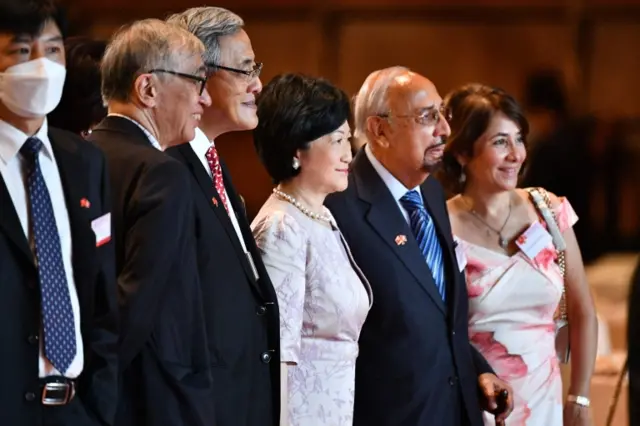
(424, 231)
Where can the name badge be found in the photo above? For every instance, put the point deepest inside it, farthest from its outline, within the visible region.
(461, 256)
(533, 240)
(102, 228)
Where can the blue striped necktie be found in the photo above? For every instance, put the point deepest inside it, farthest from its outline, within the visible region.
(57, 313)
(424, 231)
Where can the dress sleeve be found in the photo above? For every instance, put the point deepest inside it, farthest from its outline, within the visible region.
(565, 215)
(283, 246)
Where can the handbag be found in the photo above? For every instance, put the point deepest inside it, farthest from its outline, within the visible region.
(542, 202)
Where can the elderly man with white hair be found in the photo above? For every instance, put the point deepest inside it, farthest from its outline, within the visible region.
(241, 308)
(416, 365)
(153, 79)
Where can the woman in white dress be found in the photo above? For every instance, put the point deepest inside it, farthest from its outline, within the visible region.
(303, 141)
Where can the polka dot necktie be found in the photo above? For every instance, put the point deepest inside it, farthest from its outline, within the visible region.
(424, 230)
(216, 173)
(57, 314)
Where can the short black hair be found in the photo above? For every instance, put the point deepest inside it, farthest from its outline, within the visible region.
(30, 16)
(472, 108)
(294, 110)
(81, 105)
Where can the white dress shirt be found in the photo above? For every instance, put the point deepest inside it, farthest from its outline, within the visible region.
(147, 133)
(200, 145)
(397, 189)
(11, 168)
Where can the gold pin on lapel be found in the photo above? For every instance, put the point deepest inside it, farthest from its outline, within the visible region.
(214, 201)
(401, 240)
(84, 203)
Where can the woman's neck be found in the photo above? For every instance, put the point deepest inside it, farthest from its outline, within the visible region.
(313, 200)
(484, 202)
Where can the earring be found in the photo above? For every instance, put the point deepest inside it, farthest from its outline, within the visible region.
(463, 178)
(296, 163)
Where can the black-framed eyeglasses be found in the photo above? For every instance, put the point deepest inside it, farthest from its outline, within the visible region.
(200, 81)
(248, 74)
(427, 117)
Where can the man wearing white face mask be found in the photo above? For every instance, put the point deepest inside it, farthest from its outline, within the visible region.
(57, 274)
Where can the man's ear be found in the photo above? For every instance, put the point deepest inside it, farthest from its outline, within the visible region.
(145, 89)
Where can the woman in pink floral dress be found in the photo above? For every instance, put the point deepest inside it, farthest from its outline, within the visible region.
(514, 290)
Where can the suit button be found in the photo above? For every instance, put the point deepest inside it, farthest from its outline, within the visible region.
(261, 310)
(33, 339)
(30, 396)
(452, 381)
(265, 357)
(453, 333)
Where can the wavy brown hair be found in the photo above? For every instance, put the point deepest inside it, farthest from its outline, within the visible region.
(472, 107)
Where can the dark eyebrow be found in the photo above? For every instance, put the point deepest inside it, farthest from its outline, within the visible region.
(21, 38)
(501, 134)
(247, 61)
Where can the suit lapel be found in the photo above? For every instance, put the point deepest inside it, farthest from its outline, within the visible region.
(73, 174)
(215, 202)
(10, 223)
(386, 219)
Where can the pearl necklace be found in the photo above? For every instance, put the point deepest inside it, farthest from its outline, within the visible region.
(302, 208)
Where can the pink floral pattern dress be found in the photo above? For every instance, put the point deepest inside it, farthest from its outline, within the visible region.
(512, 301)
(324, 300)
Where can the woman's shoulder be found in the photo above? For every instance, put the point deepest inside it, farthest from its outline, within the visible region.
(276, 216)
(561, 207)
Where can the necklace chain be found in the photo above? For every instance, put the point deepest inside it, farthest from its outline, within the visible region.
(504, 242)
(303, 209)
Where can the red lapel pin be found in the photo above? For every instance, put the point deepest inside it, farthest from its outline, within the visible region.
(84, 203)
(401, 240)
(214, 201)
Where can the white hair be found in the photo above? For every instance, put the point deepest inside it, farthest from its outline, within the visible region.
(209, 24)
(372, 99)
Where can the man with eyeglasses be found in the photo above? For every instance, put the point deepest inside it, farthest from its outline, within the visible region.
(416, 366)
(240, 303)
(153, 79)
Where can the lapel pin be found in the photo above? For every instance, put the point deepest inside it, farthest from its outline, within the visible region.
(84, 203)
(401, 240)
(214, 201)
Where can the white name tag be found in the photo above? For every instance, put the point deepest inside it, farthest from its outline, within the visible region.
(102, 228)
(533, 240)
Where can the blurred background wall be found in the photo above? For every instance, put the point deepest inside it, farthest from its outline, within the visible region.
(593, 44)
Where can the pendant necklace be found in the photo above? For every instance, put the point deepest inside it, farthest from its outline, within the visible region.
(502, 241)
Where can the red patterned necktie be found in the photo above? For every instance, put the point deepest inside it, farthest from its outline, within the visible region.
(216, 172)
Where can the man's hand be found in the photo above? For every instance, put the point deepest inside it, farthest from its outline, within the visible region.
(491, 386)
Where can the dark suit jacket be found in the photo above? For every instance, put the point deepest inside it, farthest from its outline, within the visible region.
(84, 175)
(633, 342)
(241, 312)
(416, 366)
(164, 360)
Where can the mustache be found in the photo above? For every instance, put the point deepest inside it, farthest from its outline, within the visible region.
(438, 144)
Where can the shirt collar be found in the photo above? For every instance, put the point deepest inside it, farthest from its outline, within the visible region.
(147, 133)
(12, 139)
(397, 189)
(200, 143)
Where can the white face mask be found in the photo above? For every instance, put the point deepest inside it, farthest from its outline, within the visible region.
(32, 89)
